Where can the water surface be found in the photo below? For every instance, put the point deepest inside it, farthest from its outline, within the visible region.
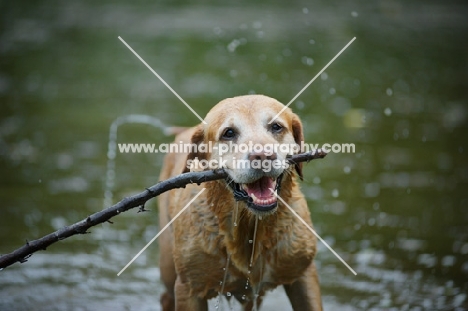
(396, 210)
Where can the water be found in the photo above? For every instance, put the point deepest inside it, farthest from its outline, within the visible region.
(236, 211)
(395, 210)
(223, 282)
(112, 149)
(253, 241)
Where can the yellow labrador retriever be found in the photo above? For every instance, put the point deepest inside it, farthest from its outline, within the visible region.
(237, 239)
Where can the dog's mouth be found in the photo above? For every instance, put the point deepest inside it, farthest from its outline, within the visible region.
(258, 194)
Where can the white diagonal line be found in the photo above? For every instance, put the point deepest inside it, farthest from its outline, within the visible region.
(162, 230)
(313, 231)
(162, 80)
(310, 82)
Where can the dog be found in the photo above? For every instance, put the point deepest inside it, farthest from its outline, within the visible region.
(237, 238)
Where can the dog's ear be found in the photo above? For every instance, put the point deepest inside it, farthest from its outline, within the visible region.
(299, 139)
(198, 137)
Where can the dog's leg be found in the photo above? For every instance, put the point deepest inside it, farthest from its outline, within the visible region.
(166, 261)
(304, 294)
(168, 276)
(249, 306)
(168, 273)
(184, 301)
(167, 302)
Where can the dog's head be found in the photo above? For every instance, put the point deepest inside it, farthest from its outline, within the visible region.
(252, 151)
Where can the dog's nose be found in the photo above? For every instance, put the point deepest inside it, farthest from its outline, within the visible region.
(261, 156)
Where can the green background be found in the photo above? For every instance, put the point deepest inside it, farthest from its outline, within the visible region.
(396, 210)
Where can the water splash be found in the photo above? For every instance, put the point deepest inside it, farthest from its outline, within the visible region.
(256, 290)
(236, 210)
(229, 300)
(252, 255)
(255, 306)
(223, 282)
(253, 241)
(112, 148)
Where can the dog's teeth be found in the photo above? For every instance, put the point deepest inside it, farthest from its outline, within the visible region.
(254, 197)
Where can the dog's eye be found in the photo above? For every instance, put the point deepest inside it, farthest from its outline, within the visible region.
(276, 128)
(229, 134)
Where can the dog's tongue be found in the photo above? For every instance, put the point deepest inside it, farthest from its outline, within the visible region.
(260, 191)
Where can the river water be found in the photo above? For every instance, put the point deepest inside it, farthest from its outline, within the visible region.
(395, 210)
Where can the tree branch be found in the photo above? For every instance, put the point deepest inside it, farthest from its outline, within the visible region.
(23, 253)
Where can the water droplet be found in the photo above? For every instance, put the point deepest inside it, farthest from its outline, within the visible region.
(228, 294)
(347, 170)
(250, 241)
(111, 154)
(243, 297)
(376, 206)
(388, 112)
(232, 46)
(233, 73)
(354, 14)
(220, 282)
(389, 92)
(300, 104)
(235, 214)
(224, 269)
(307, 61)
(305, 10)
(260, 217)
(217, 30)
(335, 193)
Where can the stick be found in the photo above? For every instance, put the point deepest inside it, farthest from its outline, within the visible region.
(24, 252)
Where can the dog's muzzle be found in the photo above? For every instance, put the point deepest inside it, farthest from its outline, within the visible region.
(258, 194)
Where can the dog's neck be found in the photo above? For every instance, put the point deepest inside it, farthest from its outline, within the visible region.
(241, 232)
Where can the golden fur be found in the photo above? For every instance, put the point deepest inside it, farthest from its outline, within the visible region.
(195, 249)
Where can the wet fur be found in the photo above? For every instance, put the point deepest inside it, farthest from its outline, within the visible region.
(194, 250)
